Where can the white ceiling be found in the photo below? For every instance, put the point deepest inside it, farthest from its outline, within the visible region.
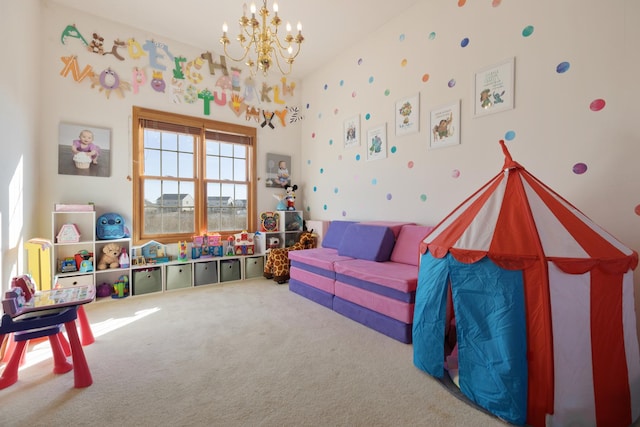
(327, 25)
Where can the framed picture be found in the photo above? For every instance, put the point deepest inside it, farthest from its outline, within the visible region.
(408, 115)
(278, 170)
(352, 132)
(377, 142)
(493, 89)
(445, 126)
(84, 150)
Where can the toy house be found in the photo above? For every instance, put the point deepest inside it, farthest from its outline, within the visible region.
(154, 252)
(244, 243)
(68, 233)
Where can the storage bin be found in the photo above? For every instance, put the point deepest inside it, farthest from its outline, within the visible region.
(206, 273)
(71, 281)
(147, 280)
(178, 276)
(229, 270)
(253, 267)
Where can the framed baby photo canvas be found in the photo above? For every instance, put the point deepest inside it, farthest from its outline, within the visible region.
(278, 170)
(84, 150)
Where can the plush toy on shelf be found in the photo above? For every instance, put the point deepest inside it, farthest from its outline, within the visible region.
(290, 197)
(110, 256)
(277, 265)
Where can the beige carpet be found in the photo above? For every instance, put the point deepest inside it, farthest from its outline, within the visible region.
(246, 353)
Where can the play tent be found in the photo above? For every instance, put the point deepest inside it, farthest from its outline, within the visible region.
(543, 303)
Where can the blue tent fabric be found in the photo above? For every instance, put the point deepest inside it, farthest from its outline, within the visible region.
(489, 305)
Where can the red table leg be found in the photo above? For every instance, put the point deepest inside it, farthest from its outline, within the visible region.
(86, 334)
(60, 364)
(81, 373)
(10, 374)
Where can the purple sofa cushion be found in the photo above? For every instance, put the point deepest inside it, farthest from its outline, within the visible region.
(334, 234)
(368, 242)
(407, 248)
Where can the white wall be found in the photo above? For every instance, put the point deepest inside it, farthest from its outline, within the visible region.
(66, 100)
(552, 121)
(19, 118)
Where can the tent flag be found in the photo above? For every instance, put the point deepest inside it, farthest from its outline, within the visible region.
(521, 228)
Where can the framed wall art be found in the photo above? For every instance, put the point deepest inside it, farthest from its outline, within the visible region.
(493, 89)
(408, 115)
(84, 150)
(445, 126)
(377, 142)
(352, 132)
(278, 170)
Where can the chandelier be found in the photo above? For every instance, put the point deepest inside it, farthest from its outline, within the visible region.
(261, 38)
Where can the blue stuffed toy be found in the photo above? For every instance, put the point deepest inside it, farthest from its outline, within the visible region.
(111, 226)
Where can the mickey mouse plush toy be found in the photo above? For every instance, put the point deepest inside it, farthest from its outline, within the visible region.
(290, 198)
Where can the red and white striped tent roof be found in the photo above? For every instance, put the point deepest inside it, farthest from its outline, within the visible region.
(583, 358)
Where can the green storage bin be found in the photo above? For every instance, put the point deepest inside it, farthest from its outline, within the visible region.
(206, 273)
(147, 281)
(253, 267)
(229, 270)
(178, 276)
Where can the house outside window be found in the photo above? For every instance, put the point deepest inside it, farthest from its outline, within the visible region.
(191, 176)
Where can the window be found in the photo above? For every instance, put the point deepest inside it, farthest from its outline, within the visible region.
(191, 176)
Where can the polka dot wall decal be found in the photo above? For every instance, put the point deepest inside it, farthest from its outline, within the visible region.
(432, 35)
(579, 168)
(319, 115)
(326, 86)
(389, 196)
(325, 207)
(462, 3)
(410, 164)
(387, 92)
(357, 157)
(374, 181)
(360, 61)
(401, 37)
(335, 190)
(321, 170)
(451, 83)
(315, 188)
(367, 116)
(597, 104)
(341, 82)
(394, 149)
(464, 42)
(309, 161)
(313, 135)
(344, 213)
(425, 78)
(353, 94)
(496, 3)
(527, 31)
(370, 79)
(563, 67)
(335, 111)
(637, 210)
(403, 63)
(423, 197)
(510, 135)
(308, 106)
(331, 142)
(455, 173)
(339, 156)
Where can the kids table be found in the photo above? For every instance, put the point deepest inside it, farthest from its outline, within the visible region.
(43, 316)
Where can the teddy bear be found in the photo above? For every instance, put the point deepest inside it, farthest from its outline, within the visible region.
(109, 258)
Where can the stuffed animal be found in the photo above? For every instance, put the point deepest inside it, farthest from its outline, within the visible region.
(290, 197)
(109, 258)
(277, 265)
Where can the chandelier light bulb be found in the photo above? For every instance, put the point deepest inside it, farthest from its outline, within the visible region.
(253, 8)
(299, 26)
(275, 8)
(225, 27)
(288, 27)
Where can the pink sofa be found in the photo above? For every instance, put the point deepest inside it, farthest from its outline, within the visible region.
(367, 271)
